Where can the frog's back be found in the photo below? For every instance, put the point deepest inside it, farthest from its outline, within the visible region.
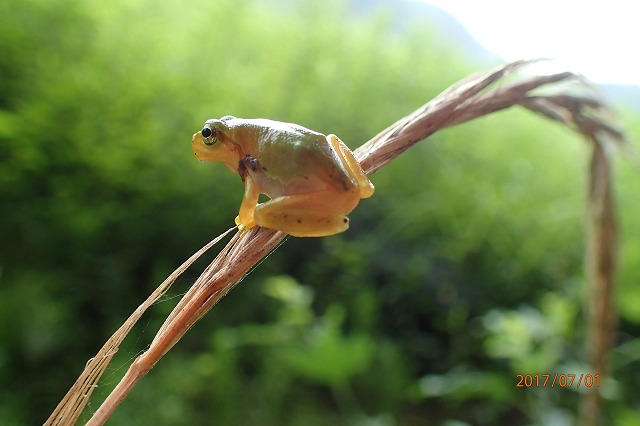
(293, 157)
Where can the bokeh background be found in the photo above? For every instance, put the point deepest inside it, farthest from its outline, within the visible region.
(465, 268)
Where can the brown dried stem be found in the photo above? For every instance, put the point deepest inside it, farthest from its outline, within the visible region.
(71, 406)
(471, 98)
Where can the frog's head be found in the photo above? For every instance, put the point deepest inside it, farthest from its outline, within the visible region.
(214, 143)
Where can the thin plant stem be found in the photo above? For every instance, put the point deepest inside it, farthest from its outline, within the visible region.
(69, 409)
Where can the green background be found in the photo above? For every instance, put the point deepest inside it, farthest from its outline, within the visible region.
(463, 270)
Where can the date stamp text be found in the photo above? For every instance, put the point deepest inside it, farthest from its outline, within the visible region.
(557, 380)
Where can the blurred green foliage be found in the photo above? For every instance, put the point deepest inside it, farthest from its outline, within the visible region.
(462, 271)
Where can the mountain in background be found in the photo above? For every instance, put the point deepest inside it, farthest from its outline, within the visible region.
(623, 95)
(408, 12)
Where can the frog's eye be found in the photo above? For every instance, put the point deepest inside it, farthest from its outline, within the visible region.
(208, 136)
(214, 132)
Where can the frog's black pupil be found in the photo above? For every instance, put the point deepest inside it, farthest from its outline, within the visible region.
(206, 132)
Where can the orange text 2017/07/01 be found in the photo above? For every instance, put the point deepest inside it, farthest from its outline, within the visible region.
(557, 380)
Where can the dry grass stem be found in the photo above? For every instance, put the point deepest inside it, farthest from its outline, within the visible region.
(471, 98)
(600, 259)
(69, 409)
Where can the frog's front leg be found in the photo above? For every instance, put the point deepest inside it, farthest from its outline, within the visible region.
(249, 203)
(315, 214)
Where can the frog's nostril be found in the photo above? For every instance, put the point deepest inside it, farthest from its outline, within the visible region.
(206, 132)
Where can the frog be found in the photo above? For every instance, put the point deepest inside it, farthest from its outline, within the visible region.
(312, 180)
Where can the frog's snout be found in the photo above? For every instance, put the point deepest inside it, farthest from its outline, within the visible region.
(194, 143)
(200, 149)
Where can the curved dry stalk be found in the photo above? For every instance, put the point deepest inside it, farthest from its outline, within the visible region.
(245, 250)
(471, 98)
(69, 409)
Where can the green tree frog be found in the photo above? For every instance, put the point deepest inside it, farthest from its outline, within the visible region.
(313, 181)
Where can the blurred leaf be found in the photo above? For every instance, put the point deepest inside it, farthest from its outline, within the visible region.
(462, 385)
(327, 356)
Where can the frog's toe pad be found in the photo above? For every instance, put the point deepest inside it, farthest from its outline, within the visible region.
(241, 225)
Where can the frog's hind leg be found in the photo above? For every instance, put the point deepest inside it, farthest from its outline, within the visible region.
(356, 172)
(303, 215)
